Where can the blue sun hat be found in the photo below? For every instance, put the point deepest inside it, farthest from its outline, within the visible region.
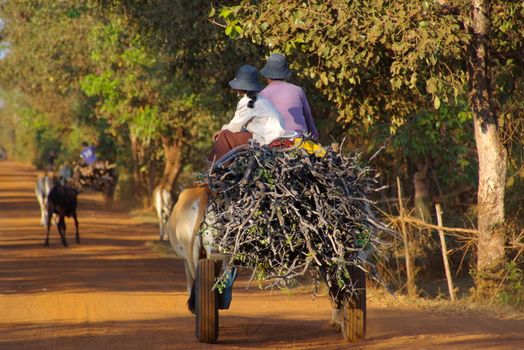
(276, 67)
(246, 79)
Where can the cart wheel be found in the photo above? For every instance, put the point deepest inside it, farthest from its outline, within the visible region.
(206, 302)
(354, 315)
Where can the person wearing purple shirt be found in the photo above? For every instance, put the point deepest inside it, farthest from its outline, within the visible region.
(288, 99)
(88, 154)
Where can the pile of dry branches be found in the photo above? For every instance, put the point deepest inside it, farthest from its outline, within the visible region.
(281, 213)
(100, 176)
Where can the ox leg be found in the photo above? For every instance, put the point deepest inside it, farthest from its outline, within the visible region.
(336, 305)
(161, 228)
(61, 230)
(48, 224)
(43, 210)
(336, 318)
(336, 311)
(42, 216)
(76, 228)
(190, 279)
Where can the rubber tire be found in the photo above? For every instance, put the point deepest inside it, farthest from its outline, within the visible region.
(206, 302)
(354, 313)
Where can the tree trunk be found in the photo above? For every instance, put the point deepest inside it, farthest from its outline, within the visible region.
(421, 186)
(491, 153)
(151, 175)
(144, 160)
(136, 165)
(173, 152)
(140, 179)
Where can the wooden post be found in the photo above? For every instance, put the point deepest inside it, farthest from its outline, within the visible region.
(410, 283)
(445, 252)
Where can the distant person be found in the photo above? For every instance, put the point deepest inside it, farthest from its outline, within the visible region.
(51, 157)
(288, 99)
(3, 153)
(88, 153)
(65, 173)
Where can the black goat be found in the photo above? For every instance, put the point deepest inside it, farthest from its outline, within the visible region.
(62, 201)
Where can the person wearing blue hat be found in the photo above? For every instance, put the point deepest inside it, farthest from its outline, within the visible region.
(288, 99)
(255, 117)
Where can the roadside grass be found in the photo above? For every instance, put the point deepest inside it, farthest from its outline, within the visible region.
(379, 297)
(145, 216)
(148, 216)
(162, 248)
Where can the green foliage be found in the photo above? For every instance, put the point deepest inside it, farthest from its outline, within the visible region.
(40, 77)
(196, 51)
(402, 49)
(513, 290)
(192, 60)
(118, 72)
(89, 71)
(382, 62)
(48, 64)
(396, 68)
(127, 91)
(15, 136)
(446, 137)
(220, 284)
(31, 135)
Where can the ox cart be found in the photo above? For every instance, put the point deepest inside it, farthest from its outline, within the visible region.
(100, 176)
(348, 293)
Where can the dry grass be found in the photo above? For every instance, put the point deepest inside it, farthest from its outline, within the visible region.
(145, 216)
(378, 297)
(162, 248)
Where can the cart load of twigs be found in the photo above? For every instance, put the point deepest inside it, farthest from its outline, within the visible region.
(101, 176)
(282, 213)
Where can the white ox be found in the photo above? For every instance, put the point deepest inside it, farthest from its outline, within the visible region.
(182, 229)
(183, 226)
(163, 200)
(42, 188)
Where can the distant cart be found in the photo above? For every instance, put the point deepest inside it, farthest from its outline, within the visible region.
(101, 176)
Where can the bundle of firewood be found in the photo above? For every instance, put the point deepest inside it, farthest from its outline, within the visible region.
(281, 213)
(100, 176)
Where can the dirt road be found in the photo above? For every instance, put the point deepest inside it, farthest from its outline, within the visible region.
(112, 291)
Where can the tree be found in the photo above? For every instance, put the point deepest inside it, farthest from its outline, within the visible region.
(128, 89)
(194, 61)
(40, 75)
(385, 61)
(492, 154)
(117, 81)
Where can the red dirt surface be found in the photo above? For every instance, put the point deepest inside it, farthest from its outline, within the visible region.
(112, 291)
